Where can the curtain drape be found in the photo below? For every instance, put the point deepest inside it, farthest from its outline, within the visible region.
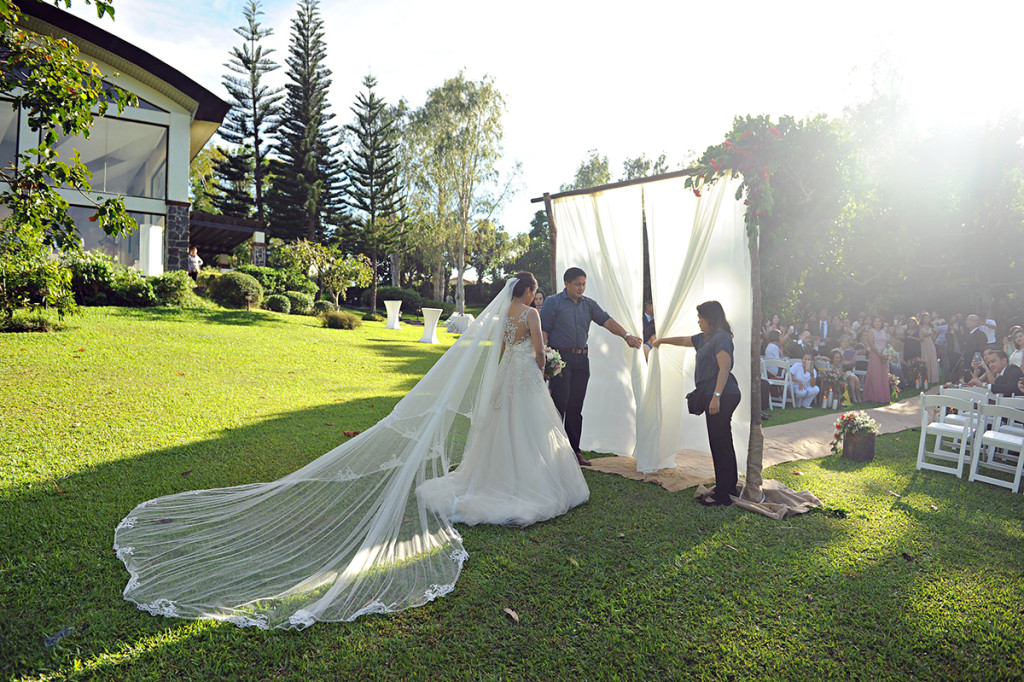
(603, 234)
(697, 250)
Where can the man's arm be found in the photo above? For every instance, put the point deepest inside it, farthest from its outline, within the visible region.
(617, 329)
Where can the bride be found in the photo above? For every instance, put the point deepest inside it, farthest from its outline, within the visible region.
(366, 528)
(520, 469)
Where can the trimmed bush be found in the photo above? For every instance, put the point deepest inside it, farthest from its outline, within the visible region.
(299, 282)
(340, 319)
(131, 288)
(373, 317)
(174, 287)
(411, 301)
(324, 307)
(92, 277)
(231, 289)
(302, 303)
(272, 280)
(279, 303)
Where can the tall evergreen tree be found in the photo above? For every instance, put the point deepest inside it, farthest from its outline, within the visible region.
(255, 105)
(372, 185)
(232, 182)
(303, 199)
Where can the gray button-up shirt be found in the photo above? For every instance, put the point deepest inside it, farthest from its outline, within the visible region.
(567, 323)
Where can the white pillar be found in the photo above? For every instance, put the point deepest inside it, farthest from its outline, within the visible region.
(151, 250)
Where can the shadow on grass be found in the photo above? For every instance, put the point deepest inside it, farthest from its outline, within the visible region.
(217, 316)
(637, 583)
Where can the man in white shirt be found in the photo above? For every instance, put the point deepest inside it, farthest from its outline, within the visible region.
(804, 378)
(990, 330)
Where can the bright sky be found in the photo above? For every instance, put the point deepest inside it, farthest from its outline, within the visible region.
(624, 78)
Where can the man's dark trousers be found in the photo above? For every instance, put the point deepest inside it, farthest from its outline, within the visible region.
(568, 390)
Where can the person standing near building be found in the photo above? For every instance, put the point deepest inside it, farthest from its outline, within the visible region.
(195, 264)
(565, 321)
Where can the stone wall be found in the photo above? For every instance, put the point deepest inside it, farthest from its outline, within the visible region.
(176, 235)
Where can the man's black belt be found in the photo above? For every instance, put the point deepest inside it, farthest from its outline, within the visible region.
(573, 351)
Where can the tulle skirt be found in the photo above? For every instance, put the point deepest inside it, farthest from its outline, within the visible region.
(518, 469)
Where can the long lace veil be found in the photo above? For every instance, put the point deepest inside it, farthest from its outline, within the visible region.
(341, 537)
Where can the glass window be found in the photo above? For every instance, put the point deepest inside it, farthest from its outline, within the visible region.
(125, 157)
(124, 250)
(8, 133)
(142, 104)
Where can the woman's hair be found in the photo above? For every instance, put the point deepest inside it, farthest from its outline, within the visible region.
(533, 303)
(712, 312)
(526, 281)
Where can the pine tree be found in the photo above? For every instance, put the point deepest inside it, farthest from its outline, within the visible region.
(372, 186)
(255, 105)
(303, 198)
(233, 179)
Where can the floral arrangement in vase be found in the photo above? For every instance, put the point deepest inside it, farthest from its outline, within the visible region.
(894, 387)
(851, 423)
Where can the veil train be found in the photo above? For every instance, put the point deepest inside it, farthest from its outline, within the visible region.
(341, 537)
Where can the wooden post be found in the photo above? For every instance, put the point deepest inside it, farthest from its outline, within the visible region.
(553, 239)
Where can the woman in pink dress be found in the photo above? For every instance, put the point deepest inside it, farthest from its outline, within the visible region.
(928, 352)
(876, 383)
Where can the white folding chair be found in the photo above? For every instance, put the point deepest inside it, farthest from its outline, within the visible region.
(1002, 449)
(957, 435)
(972, 394)
(780, 368)
(1016, 402)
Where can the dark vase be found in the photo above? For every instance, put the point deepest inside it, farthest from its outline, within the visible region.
(859, 447)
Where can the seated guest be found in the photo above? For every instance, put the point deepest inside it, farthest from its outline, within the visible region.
(1015, 346)
(800, 346)
(852, 380)
(976, 342)
(1000, 376)
(804, 378)
(774, 348)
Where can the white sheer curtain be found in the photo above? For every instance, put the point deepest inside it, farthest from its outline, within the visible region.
(603, 234)
(698, 251)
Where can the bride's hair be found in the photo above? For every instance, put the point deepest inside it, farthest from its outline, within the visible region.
(526, 281)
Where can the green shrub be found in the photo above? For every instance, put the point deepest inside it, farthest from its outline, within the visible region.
(279, 303)
(411, 301)
(31, 321)
(174, 287)
(302, 303)
(272, 280)
(340, 319)
(324, 307)
(132, 289)
(373, 317)
(92, 277)
(30, 278)
(232, 288)
(298, 282)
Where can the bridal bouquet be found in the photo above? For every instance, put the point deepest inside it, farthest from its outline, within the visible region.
(553, 362)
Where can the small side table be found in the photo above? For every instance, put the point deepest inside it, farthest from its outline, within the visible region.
(430, 318)
(394, 312)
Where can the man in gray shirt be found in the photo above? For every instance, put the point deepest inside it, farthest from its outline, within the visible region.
(565, 320)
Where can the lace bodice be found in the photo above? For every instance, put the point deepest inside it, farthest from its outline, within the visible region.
(517, 332)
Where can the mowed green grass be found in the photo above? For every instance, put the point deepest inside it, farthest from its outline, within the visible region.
(905, 574)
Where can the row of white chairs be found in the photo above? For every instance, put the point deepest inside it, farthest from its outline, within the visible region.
(973, 426)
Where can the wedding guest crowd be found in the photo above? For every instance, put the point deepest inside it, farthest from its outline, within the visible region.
(919, 349)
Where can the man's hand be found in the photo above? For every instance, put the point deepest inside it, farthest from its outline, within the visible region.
(633, 341)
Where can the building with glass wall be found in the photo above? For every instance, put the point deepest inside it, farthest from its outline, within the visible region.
(142, 155)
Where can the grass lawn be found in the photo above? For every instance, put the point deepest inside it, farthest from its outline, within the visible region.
(905, 574)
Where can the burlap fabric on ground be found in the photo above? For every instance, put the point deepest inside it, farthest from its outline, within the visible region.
(807, 439)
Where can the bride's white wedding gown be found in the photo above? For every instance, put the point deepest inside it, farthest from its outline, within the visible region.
(519, 468)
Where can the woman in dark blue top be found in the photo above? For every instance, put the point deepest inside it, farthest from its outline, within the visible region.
(718, 388)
